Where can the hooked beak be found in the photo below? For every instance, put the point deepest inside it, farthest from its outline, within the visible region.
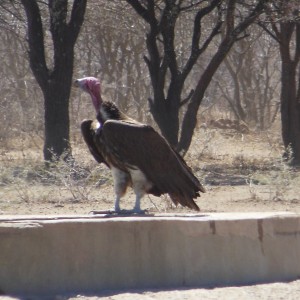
(78, 83)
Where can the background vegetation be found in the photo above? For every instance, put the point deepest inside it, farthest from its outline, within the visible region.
(254, 84)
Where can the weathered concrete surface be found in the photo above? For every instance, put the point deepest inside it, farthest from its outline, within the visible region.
(87, 254)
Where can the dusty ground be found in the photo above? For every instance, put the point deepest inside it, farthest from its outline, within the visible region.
(272, 291)
(240, 172)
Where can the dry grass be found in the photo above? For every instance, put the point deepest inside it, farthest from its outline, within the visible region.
(245, 170)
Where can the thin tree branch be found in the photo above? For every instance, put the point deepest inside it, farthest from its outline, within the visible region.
(36, 41)
(187, 99)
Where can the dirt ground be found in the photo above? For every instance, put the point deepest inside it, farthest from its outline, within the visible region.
(271, 291)
(241, 173)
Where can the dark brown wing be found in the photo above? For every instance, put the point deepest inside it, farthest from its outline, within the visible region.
(89, 130)
(139, 145)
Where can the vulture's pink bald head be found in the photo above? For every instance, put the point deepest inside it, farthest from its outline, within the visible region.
(91, 85)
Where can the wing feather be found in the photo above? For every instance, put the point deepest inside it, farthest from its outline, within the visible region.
(89, 130)
(139, 145)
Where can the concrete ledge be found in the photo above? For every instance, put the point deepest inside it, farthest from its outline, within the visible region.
(47, 255)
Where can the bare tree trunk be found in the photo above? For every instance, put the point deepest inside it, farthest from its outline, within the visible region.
(166, 114)
(287, 34)
(55, 81)
(232, 34)
(190, 117)
(290, 104)
(56, 116)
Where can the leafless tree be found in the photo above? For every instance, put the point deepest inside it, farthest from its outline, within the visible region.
(168, 72)
(110, 47)
(284, 27)
(251, 87)
(53, 71)
(20, 105)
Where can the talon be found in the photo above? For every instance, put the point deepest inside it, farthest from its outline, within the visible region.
(133, 212)
(101, 212)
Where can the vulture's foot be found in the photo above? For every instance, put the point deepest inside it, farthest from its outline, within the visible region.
(132, 212)
(102, 212)
(119, 212)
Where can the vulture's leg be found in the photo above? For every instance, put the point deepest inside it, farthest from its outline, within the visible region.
(121, 182)
(140, 185)
(139, 193)
(137, 207)
(117, 204)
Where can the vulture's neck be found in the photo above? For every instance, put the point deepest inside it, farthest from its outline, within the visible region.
(109, 111)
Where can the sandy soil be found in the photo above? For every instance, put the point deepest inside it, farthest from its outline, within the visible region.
(271, 291)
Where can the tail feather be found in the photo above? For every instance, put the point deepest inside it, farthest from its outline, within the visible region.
(185, 201)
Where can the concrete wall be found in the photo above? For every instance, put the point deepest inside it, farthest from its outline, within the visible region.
(78, 254)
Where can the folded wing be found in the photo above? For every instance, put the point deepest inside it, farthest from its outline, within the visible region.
(89, 129)
(135, 145)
